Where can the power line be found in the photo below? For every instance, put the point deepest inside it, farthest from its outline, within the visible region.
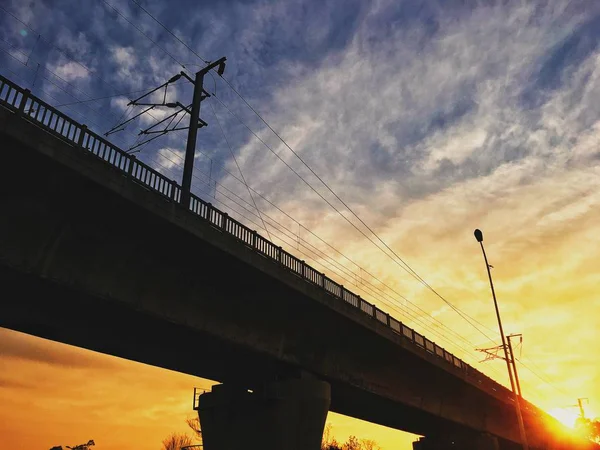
(143, 34)
(123, 94)
(61, 50)
(169, 31)
(404, 264)
(450, 330)
(407, 269)
(71, 58)
(55, 84)
(418, 320)
(239, 168)
(285, 143)
(69, 107)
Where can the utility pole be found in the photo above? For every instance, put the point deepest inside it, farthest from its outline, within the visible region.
(580, 404)
(513, 361)
(195, 122)
(479, 237)
(190, 149)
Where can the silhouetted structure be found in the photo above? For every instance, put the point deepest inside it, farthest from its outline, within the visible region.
(97, 238)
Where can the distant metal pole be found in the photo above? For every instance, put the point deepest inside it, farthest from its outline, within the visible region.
(190, 149)
(514, 363)
(580, 404)
(479, 237)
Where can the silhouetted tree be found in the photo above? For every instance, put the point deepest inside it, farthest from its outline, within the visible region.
(368, 444)
(589, 428)
(194, 424)
(176, 441)
(76, 447)
(328, 442)
(353, 443)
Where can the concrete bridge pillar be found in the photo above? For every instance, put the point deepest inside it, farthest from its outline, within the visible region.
(283, 415)
(446, 442)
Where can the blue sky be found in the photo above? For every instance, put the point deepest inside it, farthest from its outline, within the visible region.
(430, 118)
(378, 84)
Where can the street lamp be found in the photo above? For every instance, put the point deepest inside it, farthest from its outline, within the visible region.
(479, 236)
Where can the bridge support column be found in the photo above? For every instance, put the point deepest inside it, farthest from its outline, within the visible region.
(284, 415)
(473, 442)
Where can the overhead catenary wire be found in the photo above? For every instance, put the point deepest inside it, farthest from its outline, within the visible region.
(100, 112)
(66, 54)
(239, 169)
(463, 315)
(60, 49)
(255, 111)
(142, 33)
(68, 107)
(266, 123)
(380, 290)
(396, 258)
(425, 313)
(169, 31)
(404, 265)
(317, 261)
(122, 94)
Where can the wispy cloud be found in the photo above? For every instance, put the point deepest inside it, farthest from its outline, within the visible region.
(428, 119)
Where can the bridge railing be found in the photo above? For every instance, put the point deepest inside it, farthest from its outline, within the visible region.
(26, 105)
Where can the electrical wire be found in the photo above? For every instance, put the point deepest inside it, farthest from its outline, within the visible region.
(142, 33)
(408, 268)
(370, 291)
(122, 94)
(463, 315)
(397, 259)
(61, 50)
(239, 168)
(169, 31)
(73, 111)
(317, 261)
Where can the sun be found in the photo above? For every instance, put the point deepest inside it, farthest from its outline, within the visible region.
(567, 416)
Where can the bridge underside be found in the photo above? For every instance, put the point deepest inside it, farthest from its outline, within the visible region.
(90, 259)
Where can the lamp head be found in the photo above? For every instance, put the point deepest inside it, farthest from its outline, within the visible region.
(478, 235)
(221, 68)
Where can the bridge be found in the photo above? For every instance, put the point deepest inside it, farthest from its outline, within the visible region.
(97, 251)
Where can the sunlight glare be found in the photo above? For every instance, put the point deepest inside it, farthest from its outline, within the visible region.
(567, 416)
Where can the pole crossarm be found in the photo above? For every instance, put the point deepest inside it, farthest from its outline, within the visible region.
(491, 353)
(173, 79)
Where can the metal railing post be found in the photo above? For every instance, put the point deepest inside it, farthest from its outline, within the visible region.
(82, 132)
(224, 219)
(173, 190)
(24, 97)
(130, 171)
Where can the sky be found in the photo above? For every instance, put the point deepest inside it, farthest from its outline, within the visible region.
(428, 119)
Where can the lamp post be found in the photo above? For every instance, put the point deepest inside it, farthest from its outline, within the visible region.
(513, 360)
(479, 236)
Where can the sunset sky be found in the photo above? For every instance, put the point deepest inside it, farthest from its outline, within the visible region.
(428, 118)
